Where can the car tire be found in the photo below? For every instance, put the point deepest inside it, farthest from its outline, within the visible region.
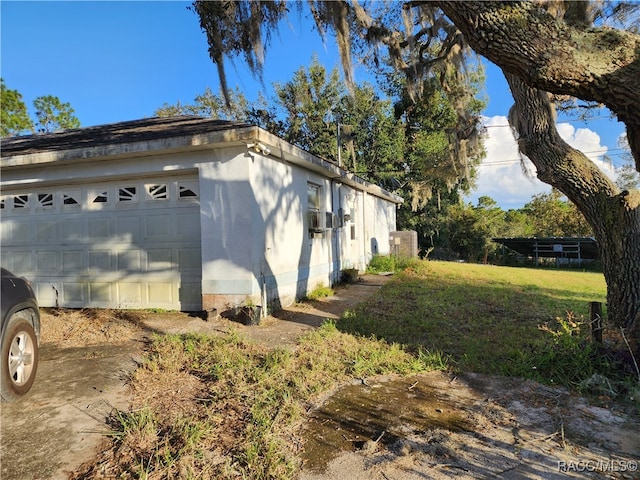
(19, 357)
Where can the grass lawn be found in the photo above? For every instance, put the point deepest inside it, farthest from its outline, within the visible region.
(222, 407)
(502, 320)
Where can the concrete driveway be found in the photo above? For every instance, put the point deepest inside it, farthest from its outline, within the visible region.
(61, 421)
(83, 370)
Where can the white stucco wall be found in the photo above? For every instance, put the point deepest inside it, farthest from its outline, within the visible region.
(379, 221)
(252, 234)
(288, 262)
(226, 222)
(256, 245)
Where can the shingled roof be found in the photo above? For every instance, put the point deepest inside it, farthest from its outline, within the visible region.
(114, 133)
(139, 137)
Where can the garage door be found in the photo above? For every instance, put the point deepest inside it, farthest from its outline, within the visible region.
(109, 244)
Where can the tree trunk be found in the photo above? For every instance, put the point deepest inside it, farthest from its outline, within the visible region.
(613, 215)
(593, 64)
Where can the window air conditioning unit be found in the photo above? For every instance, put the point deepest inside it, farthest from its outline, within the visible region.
(331, 220)
(320, 221)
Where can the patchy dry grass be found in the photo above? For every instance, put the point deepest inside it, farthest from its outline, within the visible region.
(89, 326)
(222, 407)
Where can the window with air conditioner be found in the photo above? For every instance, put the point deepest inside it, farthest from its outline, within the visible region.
(315, 218)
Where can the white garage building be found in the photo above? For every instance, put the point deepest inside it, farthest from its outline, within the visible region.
(182, 213)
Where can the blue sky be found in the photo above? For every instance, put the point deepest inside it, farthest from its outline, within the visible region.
(115, 61)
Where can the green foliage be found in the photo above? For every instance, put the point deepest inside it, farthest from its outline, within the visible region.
(321, 291)
(52, 114)
(441, 157)
(464, 231)
(570, 358)
(15, 119)
(471, 229)
(431, 221)
(390, 263)
(495, 320)
(358, 130)
(309, 103)
(373, 140)
(438, 167)
(467, 233)
(210, 105)
(552, 216)
(382, 263)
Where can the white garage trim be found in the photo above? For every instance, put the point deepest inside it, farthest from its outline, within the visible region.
(111, 244)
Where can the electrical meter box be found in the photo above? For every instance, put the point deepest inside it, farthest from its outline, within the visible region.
(404, 243)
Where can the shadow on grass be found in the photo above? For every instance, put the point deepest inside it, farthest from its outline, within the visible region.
(489, 325)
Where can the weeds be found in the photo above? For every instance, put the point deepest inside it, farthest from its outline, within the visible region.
(391, 263)
(219, 407)
(321, 291)
(250, 402)
(570, 358)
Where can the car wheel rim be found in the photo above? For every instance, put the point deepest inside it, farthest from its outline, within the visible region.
(21, 355)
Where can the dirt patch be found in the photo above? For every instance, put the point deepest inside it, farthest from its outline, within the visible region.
(283, 328)
(80, 328)
(428, 426)
(62, 421)
(439, 427)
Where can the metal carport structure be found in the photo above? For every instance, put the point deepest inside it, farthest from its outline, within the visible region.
(579, 248)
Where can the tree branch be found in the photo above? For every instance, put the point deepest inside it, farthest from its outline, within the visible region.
(593, 64)
(557, 163)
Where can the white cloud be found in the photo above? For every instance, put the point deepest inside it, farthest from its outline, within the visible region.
(500, 175)
(588, 142)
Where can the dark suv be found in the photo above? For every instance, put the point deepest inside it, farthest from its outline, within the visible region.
(20, 336)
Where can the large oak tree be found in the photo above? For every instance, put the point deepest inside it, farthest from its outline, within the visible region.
(543, 52)
(545, 49)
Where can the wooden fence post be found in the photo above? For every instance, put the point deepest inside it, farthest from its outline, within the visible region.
(595, 318)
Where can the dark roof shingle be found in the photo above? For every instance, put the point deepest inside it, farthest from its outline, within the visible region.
(114, 133)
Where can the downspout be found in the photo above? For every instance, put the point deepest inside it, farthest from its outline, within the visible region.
(333, 251)
(263, 296)
(365, 240)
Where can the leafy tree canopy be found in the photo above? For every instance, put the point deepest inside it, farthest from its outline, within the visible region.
(552, 216)
(52, 114)
(210, 105)
(15, 118)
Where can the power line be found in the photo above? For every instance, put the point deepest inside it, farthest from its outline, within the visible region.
(511, 161)
(561, 121)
